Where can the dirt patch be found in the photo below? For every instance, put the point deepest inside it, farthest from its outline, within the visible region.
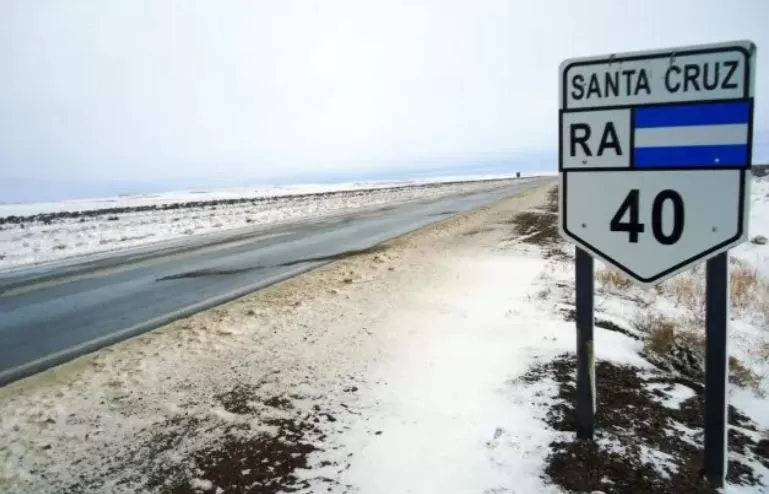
(240, 460)
(646, 440)
(477, 231)
(237, 399)
(244, 461)
(673, 347)
(537, 228)
(260, 464)
(540, 227)
(552, 201)
(571, 315)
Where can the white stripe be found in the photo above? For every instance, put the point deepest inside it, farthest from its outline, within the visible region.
(694, 135)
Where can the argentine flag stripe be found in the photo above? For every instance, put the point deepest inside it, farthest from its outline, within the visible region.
(694, 114)
(693, 157)
(695, 135)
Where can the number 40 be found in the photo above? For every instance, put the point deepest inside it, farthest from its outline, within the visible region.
(633, 227)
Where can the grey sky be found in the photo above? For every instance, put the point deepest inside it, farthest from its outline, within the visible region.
(110, 90)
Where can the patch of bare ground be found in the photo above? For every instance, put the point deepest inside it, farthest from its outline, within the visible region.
(646, 440)
(540, 227)
(673, 345)
(244, 459)
(245, 462)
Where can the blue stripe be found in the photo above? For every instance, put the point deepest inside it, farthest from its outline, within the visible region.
(693, 156)
(737, 112)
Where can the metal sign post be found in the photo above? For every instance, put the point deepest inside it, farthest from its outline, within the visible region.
(655, 157)
(716, 368)
(585, 406)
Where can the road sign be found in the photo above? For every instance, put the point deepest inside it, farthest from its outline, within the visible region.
(655, 155)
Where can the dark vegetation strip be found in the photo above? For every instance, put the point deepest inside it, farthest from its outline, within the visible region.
(47, 218)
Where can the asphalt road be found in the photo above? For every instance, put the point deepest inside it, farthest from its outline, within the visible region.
(50, 314)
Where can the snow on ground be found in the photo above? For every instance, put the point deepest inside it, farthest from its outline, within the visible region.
(438, 395)
(55, 237)
(441, 362)
(757, 255)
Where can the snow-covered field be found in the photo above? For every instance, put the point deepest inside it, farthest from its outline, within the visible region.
(233, 193)
(34, 233)
(441, 362)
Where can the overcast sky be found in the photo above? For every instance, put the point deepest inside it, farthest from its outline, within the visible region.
(138, 91)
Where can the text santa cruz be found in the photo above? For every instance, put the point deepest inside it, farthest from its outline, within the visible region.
(684, 78)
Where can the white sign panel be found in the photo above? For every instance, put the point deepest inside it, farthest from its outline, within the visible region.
(655, 155)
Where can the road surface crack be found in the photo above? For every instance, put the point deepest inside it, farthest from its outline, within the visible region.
(233, 271)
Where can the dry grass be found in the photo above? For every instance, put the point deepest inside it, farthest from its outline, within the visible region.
(763, 351)
(662, 333)
(666, 337)
(611, 279)
(749, 291)
(744, 377)
(687, 290)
